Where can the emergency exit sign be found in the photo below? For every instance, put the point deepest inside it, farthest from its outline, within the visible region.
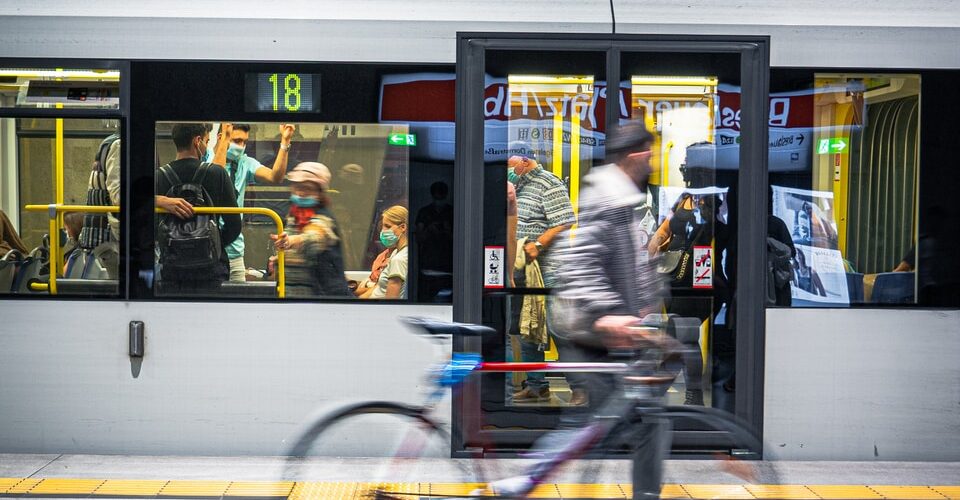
(832, 145)
(402, 139)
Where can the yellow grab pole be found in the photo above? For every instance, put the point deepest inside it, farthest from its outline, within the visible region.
(281, 275)
(558, 145)
(55, 209)
(54, 212)
(575, 161)
(55, 255)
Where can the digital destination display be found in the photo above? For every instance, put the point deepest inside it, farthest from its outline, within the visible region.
(282, 92)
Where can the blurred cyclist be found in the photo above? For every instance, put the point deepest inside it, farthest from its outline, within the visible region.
(604, 289)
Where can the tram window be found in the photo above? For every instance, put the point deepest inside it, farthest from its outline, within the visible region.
(46, 161)
(340, 190)
(844, 170)
(60, 88)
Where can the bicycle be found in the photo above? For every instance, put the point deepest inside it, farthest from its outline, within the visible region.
(643, 381)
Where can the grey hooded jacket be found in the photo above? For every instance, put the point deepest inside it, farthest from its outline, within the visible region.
(601, 271)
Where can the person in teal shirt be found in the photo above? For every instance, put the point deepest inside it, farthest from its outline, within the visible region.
(244, 170)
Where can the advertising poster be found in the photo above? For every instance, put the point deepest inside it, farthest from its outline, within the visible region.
(667, 197)
(818, 271)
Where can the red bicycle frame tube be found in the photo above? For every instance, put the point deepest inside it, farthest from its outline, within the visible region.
(488, 366)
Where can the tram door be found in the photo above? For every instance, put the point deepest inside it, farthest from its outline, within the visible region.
(531, 129)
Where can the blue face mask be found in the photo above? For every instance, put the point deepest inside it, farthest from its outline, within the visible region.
(234, 151)
(388, 238)
(303, 201)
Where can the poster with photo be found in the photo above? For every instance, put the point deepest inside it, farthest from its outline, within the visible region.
(819, 276)
(808, 215)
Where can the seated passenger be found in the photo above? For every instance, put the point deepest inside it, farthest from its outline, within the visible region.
(311, 237)
(393, 235)
(379, 264)
(9, 240)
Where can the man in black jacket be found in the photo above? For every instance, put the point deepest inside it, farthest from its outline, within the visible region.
(191, 141)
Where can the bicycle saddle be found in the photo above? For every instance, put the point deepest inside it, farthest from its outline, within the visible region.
(437, 327)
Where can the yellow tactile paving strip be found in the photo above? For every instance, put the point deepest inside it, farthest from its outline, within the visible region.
(39, 488)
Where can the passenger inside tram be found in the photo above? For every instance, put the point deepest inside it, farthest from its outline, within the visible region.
(364, 174)
(312, 237)
(191, 249)
(392, 282)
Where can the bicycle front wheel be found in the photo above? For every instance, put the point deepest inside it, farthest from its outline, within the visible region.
(374, 450)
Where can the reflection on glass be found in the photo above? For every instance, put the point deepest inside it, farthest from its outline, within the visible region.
(338, 189)
(553, 136)
(849, 213)
(66, 162)
(61, 88)
(686, 221)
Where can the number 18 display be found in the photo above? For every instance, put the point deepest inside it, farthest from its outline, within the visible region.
(282, 92)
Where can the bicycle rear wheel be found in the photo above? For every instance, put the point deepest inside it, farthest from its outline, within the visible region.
(372, 450)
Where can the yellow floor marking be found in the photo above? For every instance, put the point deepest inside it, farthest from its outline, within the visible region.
(667, 491)
(545, 491)
(321, 491)
(451, 488)
(195, 488)
(908, 492)
(24, 486)
(843, 491)
(784, 492)
(130, 487)
(590, 491)
(8, 482)
(259, 489)
(67, 486)
(734, 491)
(951, 492)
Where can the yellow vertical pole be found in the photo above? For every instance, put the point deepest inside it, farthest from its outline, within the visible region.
(55, 255)
(575, 161)
(558, 145)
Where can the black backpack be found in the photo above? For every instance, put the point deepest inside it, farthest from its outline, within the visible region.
(190, 249)
(96, 230)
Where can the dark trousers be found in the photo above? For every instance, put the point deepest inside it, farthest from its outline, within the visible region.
(649, 439)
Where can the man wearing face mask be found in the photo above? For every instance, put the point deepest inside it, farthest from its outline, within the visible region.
(191, 140)
(543, 212)
(243, 170)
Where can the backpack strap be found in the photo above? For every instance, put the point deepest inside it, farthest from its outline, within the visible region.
(171, 176)
(200, 174)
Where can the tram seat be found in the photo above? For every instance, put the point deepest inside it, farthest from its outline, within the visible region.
(893, 288)
(75, 263)
(8, 270)
(855, 287)
(28, 272)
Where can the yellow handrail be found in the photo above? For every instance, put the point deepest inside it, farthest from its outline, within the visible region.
(54, 209)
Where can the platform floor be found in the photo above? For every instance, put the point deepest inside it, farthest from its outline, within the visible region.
(169, 478)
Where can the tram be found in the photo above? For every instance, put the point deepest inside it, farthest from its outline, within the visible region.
(831, 123)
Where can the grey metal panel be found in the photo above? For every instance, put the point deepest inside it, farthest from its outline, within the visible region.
(224, 378)
(881, 34)
(862, 384)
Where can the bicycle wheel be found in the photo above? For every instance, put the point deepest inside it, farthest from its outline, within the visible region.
(730, 465)
(738, 442)
(372, 450)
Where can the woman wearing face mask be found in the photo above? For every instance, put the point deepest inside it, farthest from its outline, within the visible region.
(392, 283)
(312, 239)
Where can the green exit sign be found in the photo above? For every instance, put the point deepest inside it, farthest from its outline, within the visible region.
(833, 145)
(402, 139)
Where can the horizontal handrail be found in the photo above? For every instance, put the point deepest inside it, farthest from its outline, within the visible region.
(53, 209)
